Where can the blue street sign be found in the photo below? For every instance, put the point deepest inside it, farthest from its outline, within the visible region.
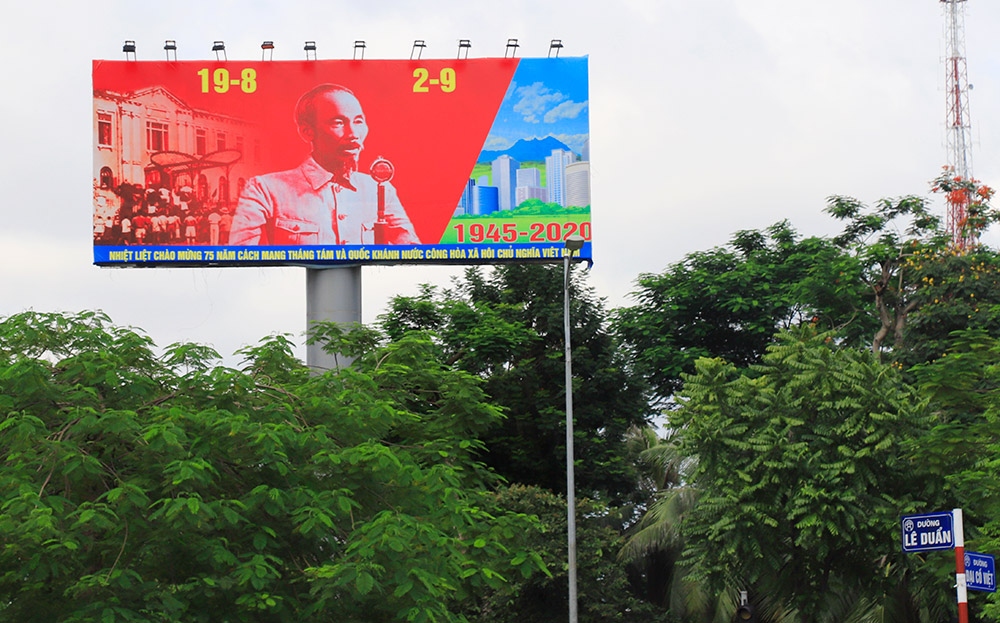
(928, 532)
(980, 572)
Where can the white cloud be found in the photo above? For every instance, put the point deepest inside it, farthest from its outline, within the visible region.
(497, 143)
(573, 141)
(534, 100)
(565, 110)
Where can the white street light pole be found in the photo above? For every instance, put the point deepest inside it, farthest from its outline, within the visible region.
(573, 244)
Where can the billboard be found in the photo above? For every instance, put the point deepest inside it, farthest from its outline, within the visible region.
(317, 163)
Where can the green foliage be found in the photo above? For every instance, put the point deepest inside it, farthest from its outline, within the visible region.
(507, 328)
(529, 207)
(963, 448)
(729, 301)
(873, 237)
(804, 458)
(602, 583)
(958, 290)
(899, 265)
(533, 207)
(802, 471)
(655, 543)
(138, 487)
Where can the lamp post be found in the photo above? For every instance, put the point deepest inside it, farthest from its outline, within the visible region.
(572, 245)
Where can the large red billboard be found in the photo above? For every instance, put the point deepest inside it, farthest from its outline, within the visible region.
(339, 162)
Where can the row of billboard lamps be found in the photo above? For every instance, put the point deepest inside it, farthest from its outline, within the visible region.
(267, 49)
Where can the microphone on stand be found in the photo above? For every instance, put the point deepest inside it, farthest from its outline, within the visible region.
(381, 171)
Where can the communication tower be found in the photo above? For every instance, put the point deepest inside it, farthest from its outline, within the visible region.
(958, 126)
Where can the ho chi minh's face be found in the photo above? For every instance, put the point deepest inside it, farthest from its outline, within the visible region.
(339, 131)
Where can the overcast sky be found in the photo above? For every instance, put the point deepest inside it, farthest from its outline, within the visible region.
(707, 117)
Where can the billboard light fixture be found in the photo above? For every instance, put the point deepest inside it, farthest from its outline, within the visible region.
(219, 47)
(556, 45)
(418, 48)
(267, 48)
(359, 45)
(464, 44)
(170, 47)
(511, 51)
(310, 49)
(129, 48)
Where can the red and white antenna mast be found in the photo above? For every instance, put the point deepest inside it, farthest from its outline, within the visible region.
(958, 124)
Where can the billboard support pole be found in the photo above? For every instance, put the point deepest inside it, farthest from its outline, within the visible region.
(332, 295)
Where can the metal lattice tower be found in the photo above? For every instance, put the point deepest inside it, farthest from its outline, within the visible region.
(958, 123)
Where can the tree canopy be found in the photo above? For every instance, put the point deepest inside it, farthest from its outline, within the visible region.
(814, 390)
(806, 452)
(506, 327)
(791, 455)
(138, 487)
(729, 301)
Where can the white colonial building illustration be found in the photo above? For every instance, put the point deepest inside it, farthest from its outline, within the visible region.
(150, 138)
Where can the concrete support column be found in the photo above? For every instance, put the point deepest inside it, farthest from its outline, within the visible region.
(332, 295)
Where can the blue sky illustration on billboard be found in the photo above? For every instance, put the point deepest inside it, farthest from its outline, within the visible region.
(546, 104)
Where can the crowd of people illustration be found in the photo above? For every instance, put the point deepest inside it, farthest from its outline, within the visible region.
(133, 215)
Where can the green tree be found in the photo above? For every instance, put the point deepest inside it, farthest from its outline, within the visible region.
(802, 471)
(729, 302)
(891, 281)
(138, 487)
(962, 451)
(506, 327)
(899, 265)
(865, 283)
(958, 290)
(883, 252)
(655, 544)
(603, 584)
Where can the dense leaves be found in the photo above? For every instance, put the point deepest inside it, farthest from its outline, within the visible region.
(774, 490)
(506, 327)
(805, 452)
(900, 248)
(603, 584)
(963, 449)
(875, 239)
(728, 302)
(145, 488)
(958, 290)
(817, 390)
